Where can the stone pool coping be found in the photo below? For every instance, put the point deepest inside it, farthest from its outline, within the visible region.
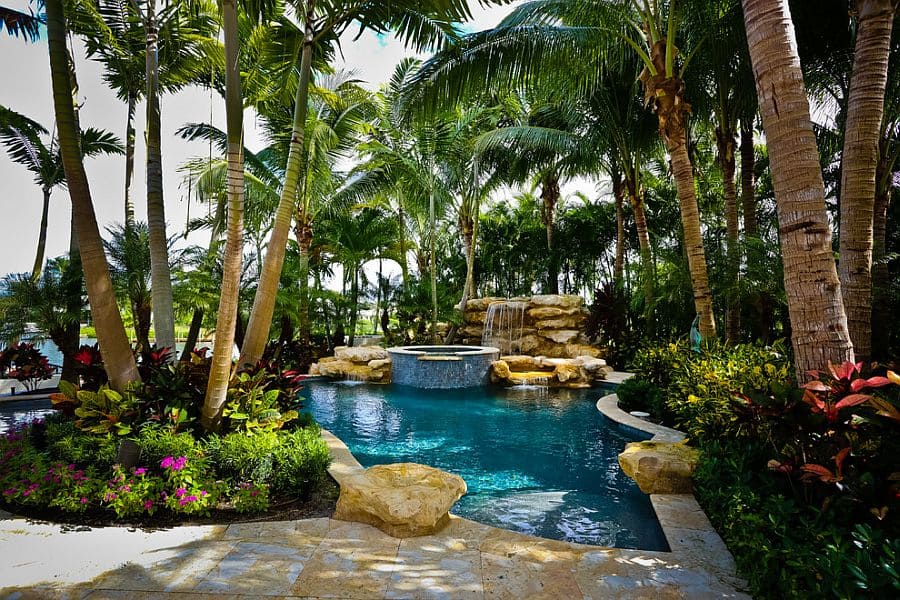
(685, 525)
(691, 537)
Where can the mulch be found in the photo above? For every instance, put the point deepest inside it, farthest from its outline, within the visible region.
(321, 503)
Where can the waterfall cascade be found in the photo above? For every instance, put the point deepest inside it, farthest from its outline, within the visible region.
(503, 326)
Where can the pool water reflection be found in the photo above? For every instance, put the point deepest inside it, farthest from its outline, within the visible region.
(535, 461)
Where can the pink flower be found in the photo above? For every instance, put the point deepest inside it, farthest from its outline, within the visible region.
(187, 499)
(202, 493)
(167, 462)
(180, 492)
(140, 471)
(148, 504)
(179, 463)
(84, 500)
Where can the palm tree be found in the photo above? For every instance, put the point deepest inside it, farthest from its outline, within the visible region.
(865, 107)
(552, 44)
(422, 23)
(22, 138)
(818, 321)
(28, 25)
(117, 357)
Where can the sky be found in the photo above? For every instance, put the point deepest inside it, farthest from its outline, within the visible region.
(25, 88)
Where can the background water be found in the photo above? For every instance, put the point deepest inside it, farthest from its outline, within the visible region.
(537, 461)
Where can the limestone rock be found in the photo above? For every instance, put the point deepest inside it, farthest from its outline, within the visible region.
(314, 369)
(521, 362)
(560, 323)
(562, 336)
(660, 467)
(360, 354)
(589, 363)
(568, 371)
(500, 369)
(551, 312)
(403, 500)
(481, 304)
(558, 301)
(576, 350)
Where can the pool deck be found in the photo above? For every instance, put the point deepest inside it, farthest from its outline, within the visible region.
(327, 558)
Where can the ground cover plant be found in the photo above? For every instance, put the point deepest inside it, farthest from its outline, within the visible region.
(72, 462)
(801, 480)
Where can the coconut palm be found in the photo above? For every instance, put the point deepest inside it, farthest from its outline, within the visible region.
(559, 45)
(22, 138)
(421, 24)
(865, 107)
(818, 321)
(117, 357)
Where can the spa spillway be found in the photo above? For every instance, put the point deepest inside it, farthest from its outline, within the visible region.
(442, 367)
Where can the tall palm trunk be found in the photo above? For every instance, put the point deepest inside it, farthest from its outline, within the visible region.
(748, 193)
(667, 93)
(549, 199)
(354, 303)
(227, 317)
(264, 301)
(193, 335)
(42, 237)
(725, 143)
(74, 278)
(468, 226)
(117, 357)
(160, 277)
(432, 259)
(865, 107)
(818, 321)
(129, 160)
(880, 272)
(636, 201)
(618, 187)
(304, 235)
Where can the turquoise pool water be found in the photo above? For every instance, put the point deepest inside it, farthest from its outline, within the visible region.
(536, 461)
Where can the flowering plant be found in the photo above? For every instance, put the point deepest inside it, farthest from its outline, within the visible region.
(187, 491)
(133, 493)
(250, 497)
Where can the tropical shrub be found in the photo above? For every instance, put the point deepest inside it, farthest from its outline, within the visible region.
(89, 367)
(250, 497)
(23, 362)
(65, 442)
(253, 406)
(638, 394)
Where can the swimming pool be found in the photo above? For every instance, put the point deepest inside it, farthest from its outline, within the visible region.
(536, 461)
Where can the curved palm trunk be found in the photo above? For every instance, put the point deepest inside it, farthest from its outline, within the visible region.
(160, 277)
(818, 322)
(42, 237)
(865, 107)
(550, 198)
(227, 317)
(304, 235)
(129, 160)
(619, 264)
(748, 193)
(725, 143)
(264, 301)
(117, 357)
(667, 92)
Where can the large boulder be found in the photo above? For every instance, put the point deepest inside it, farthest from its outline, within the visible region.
(564, 322)
(551, 312)
(660, 467)
(360, 354)
(403, 500)
(344, 369)
(558, 301)
(522, 362)
(561, 336)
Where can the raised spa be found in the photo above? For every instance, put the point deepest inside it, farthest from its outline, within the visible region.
(442, 367)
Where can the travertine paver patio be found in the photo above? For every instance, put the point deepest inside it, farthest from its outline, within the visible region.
(325, 558)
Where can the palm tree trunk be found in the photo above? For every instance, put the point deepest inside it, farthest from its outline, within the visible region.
(636, 201)
(354, 303)
(193, 334)
(880, 274)
(160, 277)
(117, 357)
(432, 258)
(667, 91)
(129, 160)
(468, 227)
(818, 322)
(619, 264)
(264, 301)
(74, 278)
(550, 198)
(725, 143)
(304, 241)
(42, 237)
(748, 193)
(865, 107)
(227, 316)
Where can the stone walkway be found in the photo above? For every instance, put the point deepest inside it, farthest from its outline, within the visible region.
(325, 558)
